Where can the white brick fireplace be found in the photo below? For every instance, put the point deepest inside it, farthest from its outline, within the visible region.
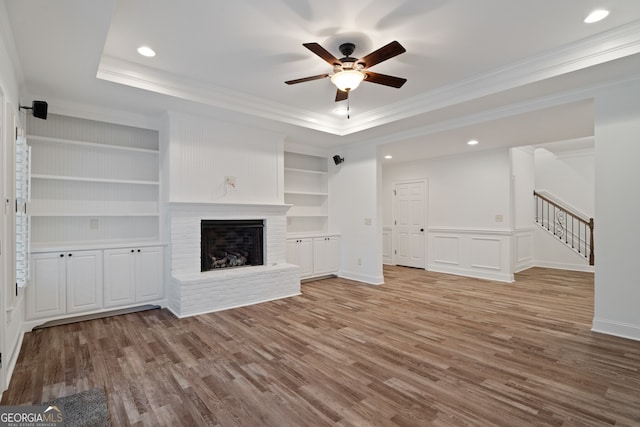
(194, 292)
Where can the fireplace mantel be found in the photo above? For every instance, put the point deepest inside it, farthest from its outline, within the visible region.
(240, 208)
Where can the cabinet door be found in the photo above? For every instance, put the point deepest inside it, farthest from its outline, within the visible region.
(46, 291)
(149, 277)
(300, 252)
(333, 254)
(119, 277)
(305, 257)
(84, 281)
(292, 251)
(326, 255)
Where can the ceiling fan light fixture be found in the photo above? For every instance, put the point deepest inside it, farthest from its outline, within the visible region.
(347, 80)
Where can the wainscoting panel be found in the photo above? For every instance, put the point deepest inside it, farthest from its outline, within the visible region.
(446, 249)
(387, 251)
(484, 254)
(523, 250)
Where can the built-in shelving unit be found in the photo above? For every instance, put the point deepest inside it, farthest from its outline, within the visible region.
(92, 183)
(94, 218)
(306, 189)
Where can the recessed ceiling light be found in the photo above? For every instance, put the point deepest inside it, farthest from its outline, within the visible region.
(388, 157)
(596, 15)
(341, 111)
(146, 51)
(472, 142)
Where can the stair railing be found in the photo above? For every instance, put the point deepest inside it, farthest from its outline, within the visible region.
(572, 228)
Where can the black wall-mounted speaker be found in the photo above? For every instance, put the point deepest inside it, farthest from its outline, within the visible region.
(40, 109)
(337, 159)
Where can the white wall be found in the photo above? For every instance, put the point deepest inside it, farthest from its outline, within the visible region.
(617, 204)
(469, 190)
(11, 308)
(523, 184)
(469, 211)
(201, 152)
(353, 189)
(569, 177)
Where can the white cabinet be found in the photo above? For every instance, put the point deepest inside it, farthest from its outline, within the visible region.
(326, 254)
(133, 275)
(317, 256)
(64, 282)
(300, 252)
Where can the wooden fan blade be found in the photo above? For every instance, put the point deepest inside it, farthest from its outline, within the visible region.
(386, 52)
(384, 79)
(322, 53)
(306, 79)
(341, 96)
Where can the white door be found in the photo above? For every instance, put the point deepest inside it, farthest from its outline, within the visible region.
(409, 224)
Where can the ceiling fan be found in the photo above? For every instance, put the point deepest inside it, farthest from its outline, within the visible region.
(348, 72)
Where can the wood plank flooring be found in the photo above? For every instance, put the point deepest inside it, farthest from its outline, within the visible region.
(424, 349)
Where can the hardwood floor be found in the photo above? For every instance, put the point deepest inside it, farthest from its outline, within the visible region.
(423, 349)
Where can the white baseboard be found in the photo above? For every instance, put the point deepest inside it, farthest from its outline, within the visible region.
(564, 266)
(369, 280)
(500, 277)
(13, 360)
(618, 329)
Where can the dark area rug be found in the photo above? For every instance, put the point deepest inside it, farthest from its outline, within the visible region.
(86, 409)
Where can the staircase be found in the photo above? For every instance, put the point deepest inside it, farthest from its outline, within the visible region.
(571, 228)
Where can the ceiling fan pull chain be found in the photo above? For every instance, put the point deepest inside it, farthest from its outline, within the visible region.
(348, 113)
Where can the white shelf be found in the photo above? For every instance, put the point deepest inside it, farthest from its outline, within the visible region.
(306, 193)
(85, 179)
(32, 138)
(306, 188)
(94, 214)
(308, 171)
(91, 245)
(93, 183)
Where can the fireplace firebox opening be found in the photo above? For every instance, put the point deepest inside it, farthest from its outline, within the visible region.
(231, 243)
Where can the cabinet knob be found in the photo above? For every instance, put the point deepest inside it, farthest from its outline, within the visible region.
(61, 255)
(70, 254)
(132, 250)
(138, 250)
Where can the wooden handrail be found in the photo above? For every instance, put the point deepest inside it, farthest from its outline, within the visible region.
(573, 213)
(562, 228)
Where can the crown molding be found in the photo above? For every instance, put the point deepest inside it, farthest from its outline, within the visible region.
(135, 75)
(598, 49)
(108, 115)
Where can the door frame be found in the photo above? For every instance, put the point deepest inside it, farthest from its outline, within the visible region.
(3, 250)
(394, 236)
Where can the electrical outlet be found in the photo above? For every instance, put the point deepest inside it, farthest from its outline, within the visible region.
(499, 218)
(367, 221)
(359, 261)
(93, 223)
